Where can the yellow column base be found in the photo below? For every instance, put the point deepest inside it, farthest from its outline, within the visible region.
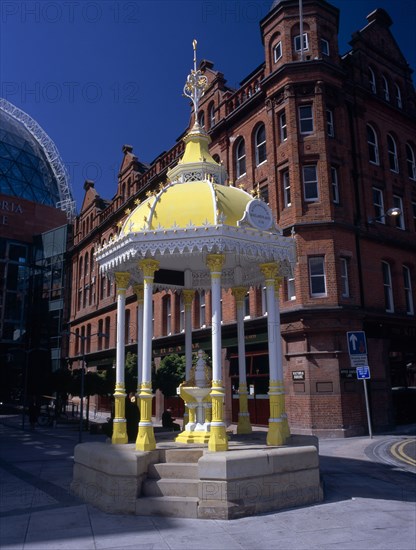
(278, 428)
(276, 435)
(218, 440)
(145, 436)
(146, 439)
(193, 437)
(119, 436)
(244, 425)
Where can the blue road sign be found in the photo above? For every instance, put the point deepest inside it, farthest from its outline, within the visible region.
(363, 373)
(357, 344)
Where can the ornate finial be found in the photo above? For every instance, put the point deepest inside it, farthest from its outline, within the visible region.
(196, 84)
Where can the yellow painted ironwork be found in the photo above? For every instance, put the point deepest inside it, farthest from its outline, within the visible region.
(119, 436)
(145, 437)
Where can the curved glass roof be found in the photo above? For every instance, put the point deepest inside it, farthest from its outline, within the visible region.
(24, 169)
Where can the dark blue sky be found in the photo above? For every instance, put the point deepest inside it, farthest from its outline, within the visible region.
(102, 73)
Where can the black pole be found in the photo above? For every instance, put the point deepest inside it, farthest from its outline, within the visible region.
(82, 391)
(25, 388)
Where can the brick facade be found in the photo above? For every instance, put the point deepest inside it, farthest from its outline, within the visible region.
(316, 115)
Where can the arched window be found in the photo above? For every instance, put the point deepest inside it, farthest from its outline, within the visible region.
(372, 80)
(277, 51)
(201, 119)
(388, 289)
(372, 145)
(407, 285)
(212, 115)
(260, 144)
(411, 164)
(386, 91)
(103, 287)
(80, 264)
(167, 315)
(398, 98)
(240, 158)
(87, 265)
(92, 264)
(392, 152)
(202, 319)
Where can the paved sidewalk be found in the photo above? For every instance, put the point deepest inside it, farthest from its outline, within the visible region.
(370, 503)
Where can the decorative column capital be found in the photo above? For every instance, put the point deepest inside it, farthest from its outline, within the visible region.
(188, 296)
(215, 263)
(148, 268)
(122, 280)
(139, 292)
(269, 271)
(239, 293)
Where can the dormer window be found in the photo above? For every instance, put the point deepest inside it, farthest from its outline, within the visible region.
(305, 42)
(277, 52)
(324, 46)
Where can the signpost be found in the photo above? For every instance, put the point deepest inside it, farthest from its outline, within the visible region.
(357, 349)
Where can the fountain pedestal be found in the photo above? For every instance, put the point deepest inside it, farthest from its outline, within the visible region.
(196, 394)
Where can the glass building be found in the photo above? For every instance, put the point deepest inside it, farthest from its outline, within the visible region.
(24, 168)
(36, 208)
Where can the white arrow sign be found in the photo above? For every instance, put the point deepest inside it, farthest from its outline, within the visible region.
(353, 340)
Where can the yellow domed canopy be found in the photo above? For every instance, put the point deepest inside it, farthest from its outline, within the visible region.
(187, 205)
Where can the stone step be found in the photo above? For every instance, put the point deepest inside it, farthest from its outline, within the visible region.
(178, 507)
(170, 487)
(173, 470)
(182, 455)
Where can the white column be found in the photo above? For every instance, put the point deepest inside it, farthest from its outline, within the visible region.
(121, 316)
(145, 437)
(272, 331)
(279, 352)
(218, 439)
(188, 296)
(244, 426)
(276, 434)
(139, 291)
(119, 423)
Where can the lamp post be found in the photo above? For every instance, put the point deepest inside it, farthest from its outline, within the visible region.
(27, 352)
(391, 212)
(83, 339)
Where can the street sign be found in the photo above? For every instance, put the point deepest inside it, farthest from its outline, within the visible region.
(363, 373)
(358, 361)
(357, 344)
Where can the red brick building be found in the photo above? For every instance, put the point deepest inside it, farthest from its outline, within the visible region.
(329, 142)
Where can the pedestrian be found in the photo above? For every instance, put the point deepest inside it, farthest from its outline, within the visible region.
(33, 413)
(168, 421)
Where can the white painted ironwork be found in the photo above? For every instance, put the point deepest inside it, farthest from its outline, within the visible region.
(66, 202)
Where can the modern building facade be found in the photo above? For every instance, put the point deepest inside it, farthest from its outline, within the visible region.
(35, 208)
(328, 141)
